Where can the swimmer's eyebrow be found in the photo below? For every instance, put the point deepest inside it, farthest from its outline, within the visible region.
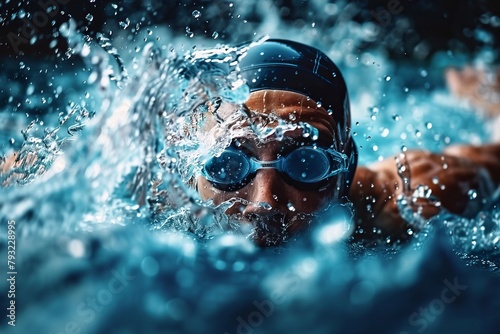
(244, 145)
(295, 143)
(324, 140)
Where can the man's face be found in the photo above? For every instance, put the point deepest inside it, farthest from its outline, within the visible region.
(275, 206)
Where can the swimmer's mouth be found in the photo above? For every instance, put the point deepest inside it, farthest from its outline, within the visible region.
(272, 230)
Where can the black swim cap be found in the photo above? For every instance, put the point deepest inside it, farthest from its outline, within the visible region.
(285, 65)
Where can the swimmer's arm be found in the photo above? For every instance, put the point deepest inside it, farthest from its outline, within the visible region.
(450, 177)
(487, 156)
(480, 87)
(373, 194)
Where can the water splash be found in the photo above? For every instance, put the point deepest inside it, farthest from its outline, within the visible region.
(127, 168)
(37, 155)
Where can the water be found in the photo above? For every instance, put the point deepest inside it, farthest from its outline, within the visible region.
(110, 238)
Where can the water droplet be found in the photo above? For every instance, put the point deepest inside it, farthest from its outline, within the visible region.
(387, 78)
(150, 266)
(89, 17)
(30, 90)
(472, 193)
(396, 117)
(265, 205)
(76, 248)
(125, 24)
(384, 133)
(428, 125)
(291, 207)
(423, 73)
(196, 14)
(215, 35)
(435, 180)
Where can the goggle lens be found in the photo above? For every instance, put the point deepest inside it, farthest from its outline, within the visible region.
(304, 165)
(229, 168)
(232, 169)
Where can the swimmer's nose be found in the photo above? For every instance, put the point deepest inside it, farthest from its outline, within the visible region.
(266, 194)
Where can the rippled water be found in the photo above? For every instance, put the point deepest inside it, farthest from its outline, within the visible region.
(110, 239)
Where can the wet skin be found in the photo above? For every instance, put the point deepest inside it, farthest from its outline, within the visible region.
(374, 189)
(268, 186)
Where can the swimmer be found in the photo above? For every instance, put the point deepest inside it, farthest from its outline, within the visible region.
(299, 85)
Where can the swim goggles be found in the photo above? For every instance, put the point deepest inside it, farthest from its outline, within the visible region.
(302, 167)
